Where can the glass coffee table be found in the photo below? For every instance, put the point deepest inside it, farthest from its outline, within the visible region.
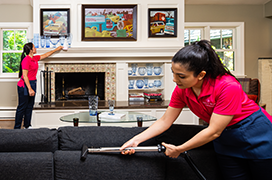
(127, 117)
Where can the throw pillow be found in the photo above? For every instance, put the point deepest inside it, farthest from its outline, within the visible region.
(252, 97)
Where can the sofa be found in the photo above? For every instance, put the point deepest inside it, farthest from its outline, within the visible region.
(56, 154)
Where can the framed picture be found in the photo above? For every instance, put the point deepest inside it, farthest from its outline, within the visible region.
(162, 22)
(55, 22)
(109, 22)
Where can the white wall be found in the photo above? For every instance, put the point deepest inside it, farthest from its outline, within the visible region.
(142, 22)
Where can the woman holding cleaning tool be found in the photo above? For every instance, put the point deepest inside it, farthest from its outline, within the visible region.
(240, 130)
(27, 83)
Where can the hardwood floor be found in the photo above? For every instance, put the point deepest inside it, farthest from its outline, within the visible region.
(7, 123)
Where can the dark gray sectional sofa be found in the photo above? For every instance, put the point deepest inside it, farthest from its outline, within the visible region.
(55, 154)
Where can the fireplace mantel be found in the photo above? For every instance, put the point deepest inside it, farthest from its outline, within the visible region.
(81, 52)
(82, 59)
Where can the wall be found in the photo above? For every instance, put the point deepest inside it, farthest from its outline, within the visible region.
(12, 13)
(258, 41)
(16, 13)
(257, 28)
(268, 9)
(75, 7)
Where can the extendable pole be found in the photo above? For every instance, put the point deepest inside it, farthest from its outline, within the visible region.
(159, 148)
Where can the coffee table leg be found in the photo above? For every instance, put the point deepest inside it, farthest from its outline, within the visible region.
(140, 121)
(97, 118)
(75, 121)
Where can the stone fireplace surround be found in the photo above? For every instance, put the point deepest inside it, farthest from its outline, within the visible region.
(108, 68)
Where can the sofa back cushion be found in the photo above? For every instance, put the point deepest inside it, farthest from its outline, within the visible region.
(28, 140)
(73, 138)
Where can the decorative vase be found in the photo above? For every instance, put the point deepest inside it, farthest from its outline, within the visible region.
(42, 40)
(146, 82)
(149, 68)
(157, 70)
(61, 40)
(141, 71)
(157, 83)
(140, 84)
(134, 69)
(131, 84)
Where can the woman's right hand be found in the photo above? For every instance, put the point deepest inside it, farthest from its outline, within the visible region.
(130, 143)
(59, 48)
(31, 92)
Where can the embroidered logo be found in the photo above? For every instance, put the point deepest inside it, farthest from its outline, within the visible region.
(208, 103)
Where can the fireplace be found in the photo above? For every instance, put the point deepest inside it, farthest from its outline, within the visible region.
(93, 72)
(78, 86)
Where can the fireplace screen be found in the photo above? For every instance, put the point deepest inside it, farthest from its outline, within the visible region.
(78, 86)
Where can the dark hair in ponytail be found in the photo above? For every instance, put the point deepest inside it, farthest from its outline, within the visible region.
(26, 51)
(201, 57)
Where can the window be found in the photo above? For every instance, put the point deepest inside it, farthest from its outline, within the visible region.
(222, 42)
(13, 43)
(192, 35)
(13, 36)
(227, 40)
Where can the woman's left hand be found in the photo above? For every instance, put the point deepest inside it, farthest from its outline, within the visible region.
(171, 150)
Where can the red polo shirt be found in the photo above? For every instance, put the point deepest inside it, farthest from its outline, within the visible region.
(30, 64)
(223, 95)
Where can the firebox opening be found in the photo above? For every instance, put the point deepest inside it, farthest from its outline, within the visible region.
(88, 83)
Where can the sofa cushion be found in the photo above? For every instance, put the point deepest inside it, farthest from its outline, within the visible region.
(26, 165)
(178, 134)
(105, 166)
(254, 87)
(73, 138)
(28, 140)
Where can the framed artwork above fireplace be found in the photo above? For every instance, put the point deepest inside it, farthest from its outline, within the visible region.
(109, 22)
(54, 22)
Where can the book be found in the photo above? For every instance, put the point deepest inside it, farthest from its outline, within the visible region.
(136, 99)
(105, 115)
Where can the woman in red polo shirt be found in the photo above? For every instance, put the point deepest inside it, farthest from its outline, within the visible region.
(240, 130)
(27, 83)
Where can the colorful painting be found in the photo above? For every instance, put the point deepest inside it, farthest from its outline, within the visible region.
(162, 22)
(109, 22)
(55, 22)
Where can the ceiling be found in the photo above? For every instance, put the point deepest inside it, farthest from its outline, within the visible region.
(186, 1)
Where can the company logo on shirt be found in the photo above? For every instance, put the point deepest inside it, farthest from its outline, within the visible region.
(208, 103)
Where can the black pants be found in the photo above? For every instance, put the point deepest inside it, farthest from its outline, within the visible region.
(24, 109)
(245, 169)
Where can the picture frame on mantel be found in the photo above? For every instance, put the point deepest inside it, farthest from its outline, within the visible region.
(54, 22)
(162, 22)
(109, 22)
